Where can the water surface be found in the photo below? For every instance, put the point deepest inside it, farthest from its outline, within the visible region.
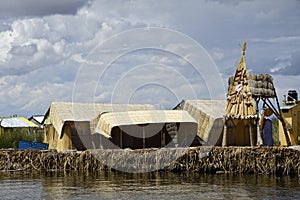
(116, 185)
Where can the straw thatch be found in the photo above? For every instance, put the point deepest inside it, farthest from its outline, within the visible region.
(241, 111)
(209, 115)
(147, 128)
(240, 104)
(61, 112)
(261, 85)
(108, 121)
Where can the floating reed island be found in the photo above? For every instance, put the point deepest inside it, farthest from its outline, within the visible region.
(249, 160)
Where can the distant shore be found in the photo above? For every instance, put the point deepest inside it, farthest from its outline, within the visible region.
(247, 160)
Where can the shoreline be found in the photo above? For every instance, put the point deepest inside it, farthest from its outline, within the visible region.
(245, 160)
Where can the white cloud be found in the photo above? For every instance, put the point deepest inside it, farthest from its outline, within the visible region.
(281, 39)
(43, 48)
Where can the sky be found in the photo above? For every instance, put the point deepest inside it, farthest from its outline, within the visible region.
(140, 51)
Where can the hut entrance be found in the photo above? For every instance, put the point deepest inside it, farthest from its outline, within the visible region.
(140, 136)
(240, 134)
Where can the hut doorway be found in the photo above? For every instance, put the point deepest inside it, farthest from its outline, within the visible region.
(240, 133)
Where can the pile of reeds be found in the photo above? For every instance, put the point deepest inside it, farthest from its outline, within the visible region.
(260, 84)
(48, 160)
(250, 160)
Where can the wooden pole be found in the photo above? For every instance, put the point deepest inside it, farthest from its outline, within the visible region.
(259, 139)
(224, 142)
(144, 138)
(251, 133)
(121, 139)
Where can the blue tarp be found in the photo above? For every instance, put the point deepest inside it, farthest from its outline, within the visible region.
(267, 133)
(26, 145)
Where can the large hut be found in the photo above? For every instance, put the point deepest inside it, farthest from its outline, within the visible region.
(83, 126)
(67, 124)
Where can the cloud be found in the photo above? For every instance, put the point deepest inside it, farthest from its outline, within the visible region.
(288, 65)
(44, 45)
(17, 8)
(281, 39)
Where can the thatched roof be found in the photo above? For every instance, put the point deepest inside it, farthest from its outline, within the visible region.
(261, 85)
(209, 115)
(108, 121)
(240, 104)
(61, 112)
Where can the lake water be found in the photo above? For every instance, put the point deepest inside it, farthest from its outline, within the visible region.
(115, 185)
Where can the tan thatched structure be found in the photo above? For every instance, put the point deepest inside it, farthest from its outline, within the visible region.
(241, 112)
(245, 91)
(148, 128)
(68, 124)
(209, 115)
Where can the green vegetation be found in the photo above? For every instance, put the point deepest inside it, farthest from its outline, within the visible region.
(10, 137)
(275, 131)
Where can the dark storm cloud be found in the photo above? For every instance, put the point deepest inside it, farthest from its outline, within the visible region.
(21, 8)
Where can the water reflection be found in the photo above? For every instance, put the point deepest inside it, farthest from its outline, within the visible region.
(155, 185)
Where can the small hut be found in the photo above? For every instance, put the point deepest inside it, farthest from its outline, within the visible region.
(241, 112)
(16, 128)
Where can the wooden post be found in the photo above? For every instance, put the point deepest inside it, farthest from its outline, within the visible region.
(251, 133)
(121, 139)
(224, 139)
(144, 138)
(259, 139)
(161, 138)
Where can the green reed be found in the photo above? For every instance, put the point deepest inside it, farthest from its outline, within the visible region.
(10, 137)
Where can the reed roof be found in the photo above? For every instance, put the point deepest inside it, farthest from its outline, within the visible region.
(209, 115)
(108, 121)
(240, 104)
(61, 112)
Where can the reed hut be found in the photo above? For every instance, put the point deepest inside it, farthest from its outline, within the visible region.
(209, 115)
(241, 113)
(245, 92)
(67, 125)
(148, 128)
